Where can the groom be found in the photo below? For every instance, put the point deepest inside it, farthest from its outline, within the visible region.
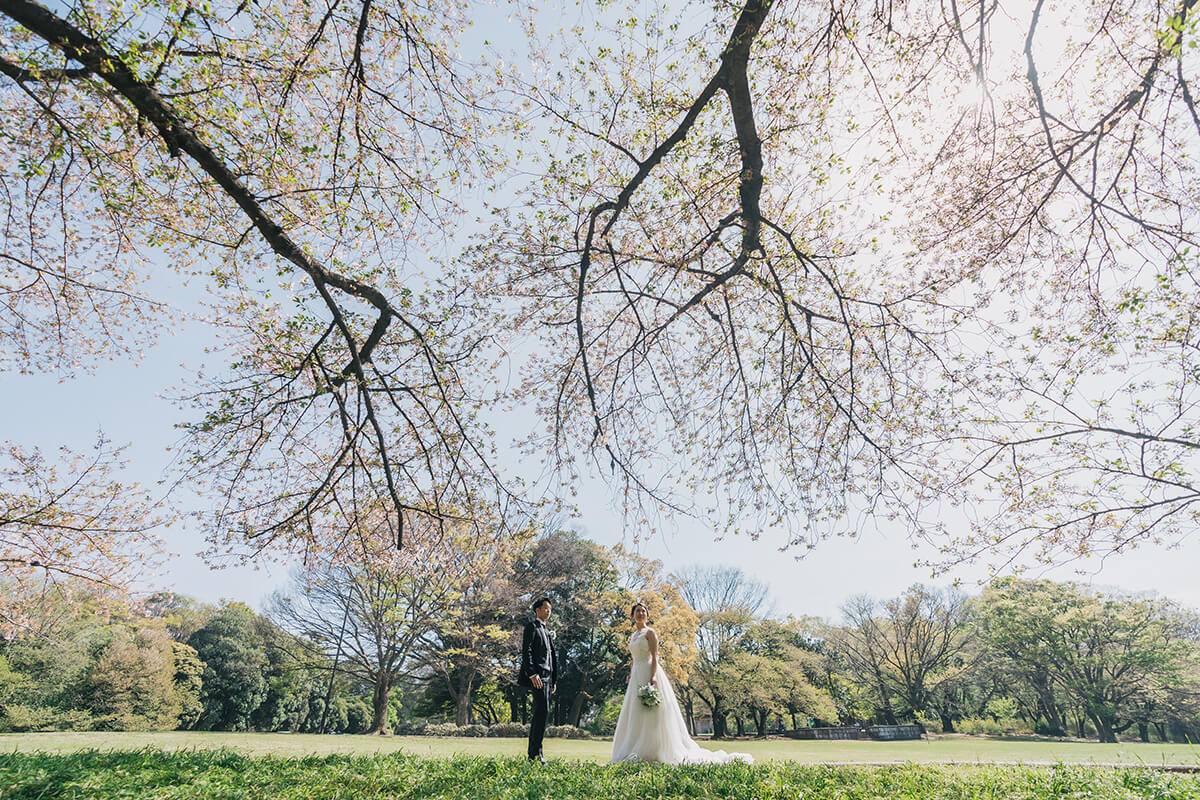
(539, 672)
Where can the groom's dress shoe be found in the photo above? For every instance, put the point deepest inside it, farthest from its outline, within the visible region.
(538, 759)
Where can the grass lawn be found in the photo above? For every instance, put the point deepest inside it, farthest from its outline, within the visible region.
(227, 775)
(968, 750)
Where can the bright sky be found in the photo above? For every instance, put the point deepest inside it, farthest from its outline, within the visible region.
(127, 403)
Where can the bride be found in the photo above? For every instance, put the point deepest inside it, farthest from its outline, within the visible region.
(656, 733)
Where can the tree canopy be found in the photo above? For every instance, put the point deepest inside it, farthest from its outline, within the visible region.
(785, 266)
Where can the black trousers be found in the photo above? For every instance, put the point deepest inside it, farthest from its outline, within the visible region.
(541, 710)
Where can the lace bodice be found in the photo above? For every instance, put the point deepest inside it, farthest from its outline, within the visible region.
(639, 648)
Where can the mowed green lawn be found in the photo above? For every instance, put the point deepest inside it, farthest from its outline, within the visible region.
(964, 749)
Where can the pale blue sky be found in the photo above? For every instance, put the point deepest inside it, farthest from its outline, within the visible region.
(127, 402)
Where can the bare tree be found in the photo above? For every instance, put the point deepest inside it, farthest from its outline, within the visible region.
(910, 650)
(362, 619)
(380, 616)
(727, 604)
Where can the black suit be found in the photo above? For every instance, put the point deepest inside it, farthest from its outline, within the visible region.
(538, 658)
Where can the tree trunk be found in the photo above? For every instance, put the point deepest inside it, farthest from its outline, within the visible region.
(462, 707)
(1144, 732)
(514, 709)
(719, 724)
(716, 706)
(576, 709)
(1049, 708)
(1104, 727)
(579, 701)
(1057, 724)
(885, 702)
(379, 706)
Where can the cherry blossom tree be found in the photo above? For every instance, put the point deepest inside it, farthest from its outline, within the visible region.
(815, 263)
(780, 265)
(289, 163)
(68, 520)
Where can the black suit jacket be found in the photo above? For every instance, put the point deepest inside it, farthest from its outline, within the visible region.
(534, 649)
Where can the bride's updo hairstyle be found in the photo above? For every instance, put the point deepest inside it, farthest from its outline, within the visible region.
(635, 607)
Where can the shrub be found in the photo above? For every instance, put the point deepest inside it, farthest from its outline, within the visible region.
(75, 720)
(439, 729)
(994, 727)
(605, 721)
(567, 732)
(124, 722)
(1002, 708)
(1046, 729)
(17, 718)
(450, 729)
(509, 729)
(1015, 727)
(27, 718)
(932, 723)
(358, 716)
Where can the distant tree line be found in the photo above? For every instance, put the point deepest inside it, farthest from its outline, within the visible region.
(381, 647)
(100, 663)
(1040, 656)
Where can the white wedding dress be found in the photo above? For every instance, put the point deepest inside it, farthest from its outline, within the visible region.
(658, 733)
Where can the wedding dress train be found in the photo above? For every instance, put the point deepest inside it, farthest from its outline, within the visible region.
(658, 733)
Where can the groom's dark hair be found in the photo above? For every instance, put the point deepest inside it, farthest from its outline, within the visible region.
(539, 602)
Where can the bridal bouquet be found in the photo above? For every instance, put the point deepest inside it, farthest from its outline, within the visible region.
(648, 694)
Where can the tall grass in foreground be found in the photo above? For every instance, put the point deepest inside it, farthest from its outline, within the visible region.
(221, 775)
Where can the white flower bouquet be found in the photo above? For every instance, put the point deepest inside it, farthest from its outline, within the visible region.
(648, 694)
